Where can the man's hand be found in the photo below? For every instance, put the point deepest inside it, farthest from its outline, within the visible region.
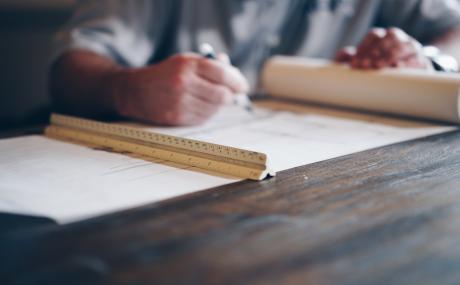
(383, 48)
(185, 89)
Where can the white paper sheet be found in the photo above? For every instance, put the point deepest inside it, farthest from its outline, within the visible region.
(68, 182)
(295, 135)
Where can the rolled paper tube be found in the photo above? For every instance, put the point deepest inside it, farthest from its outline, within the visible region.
(409, 92)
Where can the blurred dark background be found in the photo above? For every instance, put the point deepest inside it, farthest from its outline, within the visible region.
(26, 31)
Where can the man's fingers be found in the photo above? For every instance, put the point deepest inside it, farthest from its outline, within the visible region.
(190, 111)
(223, 57)
(210, 92)
(397, 34)
(388, 48)
(223, 74)
(199, 107)
(371, 40)
(362, 63)
(345, 55)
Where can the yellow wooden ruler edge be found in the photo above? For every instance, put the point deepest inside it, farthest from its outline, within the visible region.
(205, 161)
(158, 138)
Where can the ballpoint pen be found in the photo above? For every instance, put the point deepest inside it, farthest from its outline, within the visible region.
(206, 50)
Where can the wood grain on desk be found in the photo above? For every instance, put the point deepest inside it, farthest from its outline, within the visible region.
(384, 216)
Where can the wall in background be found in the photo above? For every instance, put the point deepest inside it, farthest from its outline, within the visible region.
(26, 31)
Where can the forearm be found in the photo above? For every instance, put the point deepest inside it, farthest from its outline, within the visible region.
(449, 43)
(182, 90)
(82, 83)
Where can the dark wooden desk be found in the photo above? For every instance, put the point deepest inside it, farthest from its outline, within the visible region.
(384, 216)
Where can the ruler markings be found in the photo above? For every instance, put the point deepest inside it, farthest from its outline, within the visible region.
(130, 132)
(208, 156)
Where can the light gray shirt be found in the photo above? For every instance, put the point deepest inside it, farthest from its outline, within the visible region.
(140, 32)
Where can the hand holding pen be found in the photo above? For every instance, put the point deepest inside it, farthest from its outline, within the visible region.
(207, 51)
(184, 89)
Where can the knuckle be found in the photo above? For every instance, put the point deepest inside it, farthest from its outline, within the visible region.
(180, 59)
(179, 82)
(395, 30)
(377, 33)
(220, 74)
(182, 63)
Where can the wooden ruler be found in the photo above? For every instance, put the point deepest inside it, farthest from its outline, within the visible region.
(208, 156)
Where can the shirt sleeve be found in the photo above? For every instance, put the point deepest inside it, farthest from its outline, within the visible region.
(115, 29)
(422, 19)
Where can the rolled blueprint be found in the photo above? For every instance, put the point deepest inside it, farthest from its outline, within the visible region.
(415, 93)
